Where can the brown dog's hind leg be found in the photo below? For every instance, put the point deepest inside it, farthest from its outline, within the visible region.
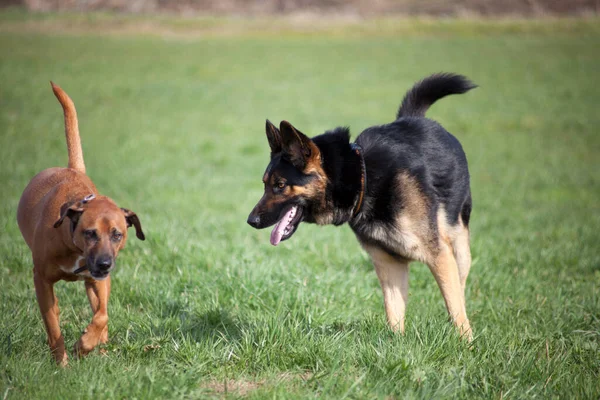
(393, 277)
(97, 331)
(48, 303)
(445, 271)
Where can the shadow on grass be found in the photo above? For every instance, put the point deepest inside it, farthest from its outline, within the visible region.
(210, 325)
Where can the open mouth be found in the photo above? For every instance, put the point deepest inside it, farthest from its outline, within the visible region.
(287, 224)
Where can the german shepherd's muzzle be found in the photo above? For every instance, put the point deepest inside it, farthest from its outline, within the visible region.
(403, 187)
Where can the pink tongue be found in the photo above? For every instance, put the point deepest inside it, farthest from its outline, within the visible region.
(283, 223)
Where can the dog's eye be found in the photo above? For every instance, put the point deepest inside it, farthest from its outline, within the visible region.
(117, 236)
(90, 234)
(278, 187)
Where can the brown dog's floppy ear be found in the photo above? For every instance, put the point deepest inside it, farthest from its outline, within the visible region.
(132, 219)
(297, 145)
(274, 137)
(70, 209)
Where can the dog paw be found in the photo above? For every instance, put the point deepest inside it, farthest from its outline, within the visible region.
(59, 354)
(62, 360)
(466, 333)
(83, 347)
(104, 336)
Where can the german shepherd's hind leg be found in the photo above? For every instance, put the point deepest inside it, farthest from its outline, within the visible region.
(446, 273)
(393, 277)
(462, 253)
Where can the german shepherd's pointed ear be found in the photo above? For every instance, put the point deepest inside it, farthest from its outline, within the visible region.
(71, 209)
(298, 147)
(274, 137)
(133, 220)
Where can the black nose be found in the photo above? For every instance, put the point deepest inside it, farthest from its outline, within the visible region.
(254, 221)
(104, 263)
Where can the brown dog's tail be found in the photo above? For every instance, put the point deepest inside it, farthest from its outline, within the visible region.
(71, 129)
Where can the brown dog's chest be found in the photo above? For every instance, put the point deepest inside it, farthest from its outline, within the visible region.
(71, 263)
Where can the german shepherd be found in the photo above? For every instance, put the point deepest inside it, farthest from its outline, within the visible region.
(403, 187)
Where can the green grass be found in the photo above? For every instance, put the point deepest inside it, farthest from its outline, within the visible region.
(173, 128)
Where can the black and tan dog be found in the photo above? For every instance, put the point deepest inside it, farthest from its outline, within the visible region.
(84, 248)
(403, 187)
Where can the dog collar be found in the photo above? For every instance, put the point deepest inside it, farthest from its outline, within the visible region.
(80, 269)
(88, 198)
(363, 178)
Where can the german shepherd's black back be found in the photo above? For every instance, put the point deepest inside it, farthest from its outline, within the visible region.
(423, 150)
(403, 187)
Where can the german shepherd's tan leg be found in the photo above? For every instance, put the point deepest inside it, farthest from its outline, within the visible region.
(393, 277)
(462, 253)
(445, 271)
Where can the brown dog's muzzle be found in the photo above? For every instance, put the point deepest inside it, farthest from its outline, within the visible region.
(100, 266)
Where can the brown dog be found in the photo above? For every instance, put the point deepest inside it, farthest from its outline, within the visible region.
(84, 249)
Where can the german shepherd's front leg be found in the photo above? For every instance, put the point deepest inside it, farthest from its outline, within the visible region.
(393, 277)
(445, 271)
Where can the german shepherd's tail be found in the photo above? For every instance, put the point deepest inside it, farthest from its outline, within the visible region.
(71, 129)
(417, 100)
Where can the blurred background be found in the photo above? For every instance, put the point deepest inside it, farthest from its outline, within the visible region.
(360, 8)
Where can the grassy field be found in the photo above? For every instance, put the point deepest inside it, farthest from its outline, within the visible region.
(173, 128)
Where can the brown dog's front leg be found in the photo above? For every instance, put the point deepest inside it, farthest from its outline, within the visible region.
(97, 331)
(48, 303)
(91, 289)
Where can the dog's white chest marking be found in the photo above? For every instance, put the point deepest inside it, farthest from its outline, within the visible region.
(70, 269)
